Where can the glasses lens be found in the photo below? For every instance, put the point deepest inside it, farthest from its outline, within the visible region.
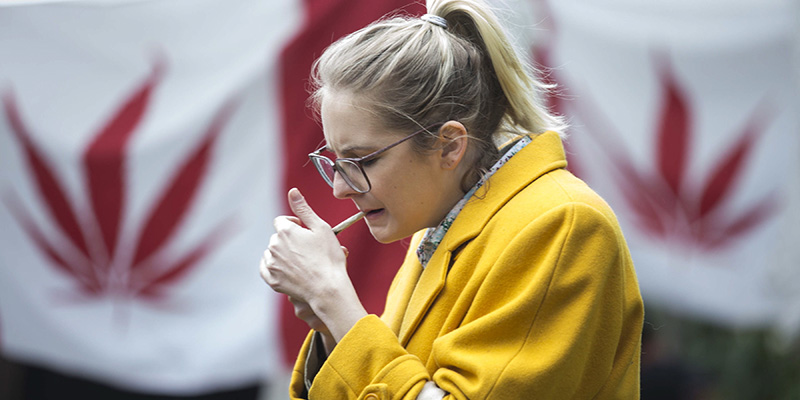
(353, 175)
(325, 168)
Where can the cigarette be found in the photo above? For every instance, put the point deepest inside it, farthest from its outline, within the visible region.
(350, 221)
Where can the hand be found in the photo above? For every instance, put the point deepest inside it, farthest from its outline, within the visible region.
(305, 261)
(304, 312)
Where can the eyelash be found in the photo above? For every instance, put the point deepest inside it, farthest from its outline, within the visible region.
(369, 162)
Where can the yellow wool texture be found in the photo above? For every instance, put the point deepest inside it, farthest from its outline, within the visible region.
(531, 294)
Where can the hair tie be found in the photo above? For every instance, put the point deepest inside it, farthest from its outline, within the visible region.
(435, 19)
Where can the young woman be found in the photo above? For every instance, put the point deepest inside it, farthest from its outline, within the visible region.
(518, 283)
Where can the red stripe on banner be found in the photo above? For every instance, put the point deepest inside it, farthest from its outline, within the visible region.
(371, 265)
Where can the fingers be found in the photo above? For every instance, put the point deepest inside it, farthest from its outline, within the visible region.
(301, 309)
(273, 274)
(295, 220)
(266, 274)
(303, 211)
(283, 223)
(305, 216)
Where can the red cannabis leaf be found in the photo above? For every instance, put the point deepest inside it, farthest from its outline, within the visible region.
(673, 137)
(87, 280)
(58, 205)
(173, 204)
(89, 262)
(104, 162)
(663, 201)
(152, 281)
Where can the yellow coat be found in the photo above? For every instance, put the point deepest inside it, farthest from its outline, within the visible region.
(531, 294)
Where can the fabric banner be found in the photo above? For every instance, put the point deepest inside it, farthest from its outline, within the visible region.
(685, 118)
(145, 148)
(140, 170)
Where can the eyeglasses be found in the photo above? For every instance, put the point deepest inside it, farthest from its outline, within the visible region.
(352, 169)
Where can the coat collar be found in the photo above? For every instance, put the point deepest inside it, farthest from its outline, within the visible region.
(544, 154)
(541, 156)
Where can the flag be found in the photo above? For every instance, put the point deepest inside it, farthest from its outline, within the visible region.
(684, 117)
(145, 148)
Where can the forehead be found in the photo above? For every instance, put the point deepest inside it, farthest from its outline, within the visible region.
(347, 124)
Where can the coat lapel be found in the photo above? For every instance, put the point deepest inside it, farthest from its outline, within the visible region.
(403, 287)
(430, 283)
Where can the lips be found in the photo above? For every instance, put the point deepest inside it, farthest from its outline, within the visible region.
(374, 213)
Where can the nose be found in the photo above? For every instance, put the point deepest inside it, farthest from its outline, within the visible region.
(341, 190)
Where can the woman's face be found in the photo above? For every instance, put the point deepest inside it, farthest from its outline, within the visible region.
(410, 191)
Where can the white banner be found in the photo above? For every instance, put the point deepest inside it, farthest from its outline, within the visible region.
(140, 160)
(685, 118)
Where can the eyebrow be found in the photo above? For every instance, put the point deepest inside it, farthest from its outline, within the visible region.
(353, 151)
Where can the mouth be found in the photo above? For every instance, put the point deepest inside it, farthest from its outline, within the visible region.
(372, 214)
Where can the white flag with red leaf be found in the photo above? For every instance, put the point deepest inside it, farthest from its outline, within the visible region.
(145, 148)
(140, 170)
(685, 118)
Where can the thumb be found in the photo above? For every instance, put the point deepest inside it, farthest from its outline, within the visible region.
(303, 211)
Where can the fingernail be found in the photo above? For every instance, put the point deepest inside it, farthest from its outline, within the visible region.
(295, 196)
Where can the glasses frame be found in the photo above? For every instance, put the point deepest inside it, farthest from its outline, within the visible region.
(316, 158)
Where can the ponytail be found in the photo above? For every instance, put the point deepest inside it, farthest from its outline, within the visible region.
(524, 94)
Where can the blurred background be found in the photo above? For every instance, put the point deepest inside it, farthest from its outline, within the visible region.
(146, 146)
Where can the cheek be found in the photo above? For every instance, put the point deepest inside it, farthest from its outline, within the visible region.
(406, 186)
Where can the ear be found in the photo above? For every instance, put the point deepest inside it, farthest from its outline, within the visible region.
(453, 144)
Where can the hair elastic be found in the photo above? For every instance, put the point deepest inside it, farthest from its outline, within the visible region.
(435, 19)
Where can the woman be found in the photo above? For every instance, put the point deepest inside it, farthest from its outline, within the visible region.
(518, 283)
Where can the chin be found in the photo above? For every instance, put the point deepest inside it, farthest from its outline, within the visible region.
(385, 237)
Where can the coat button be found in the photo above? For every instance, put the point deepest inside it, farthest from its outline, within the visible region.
(371, 396)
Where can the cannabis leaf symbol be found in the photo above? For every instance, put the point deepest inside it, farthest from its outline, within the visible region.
(88, 249)
(664, 200)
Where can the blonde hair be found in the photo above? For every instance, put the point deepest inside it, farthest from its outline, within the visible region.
(412, 74)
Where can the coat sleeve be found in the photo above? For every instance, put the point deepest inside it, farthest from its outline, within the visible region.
(297, 388)
(549, 317)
